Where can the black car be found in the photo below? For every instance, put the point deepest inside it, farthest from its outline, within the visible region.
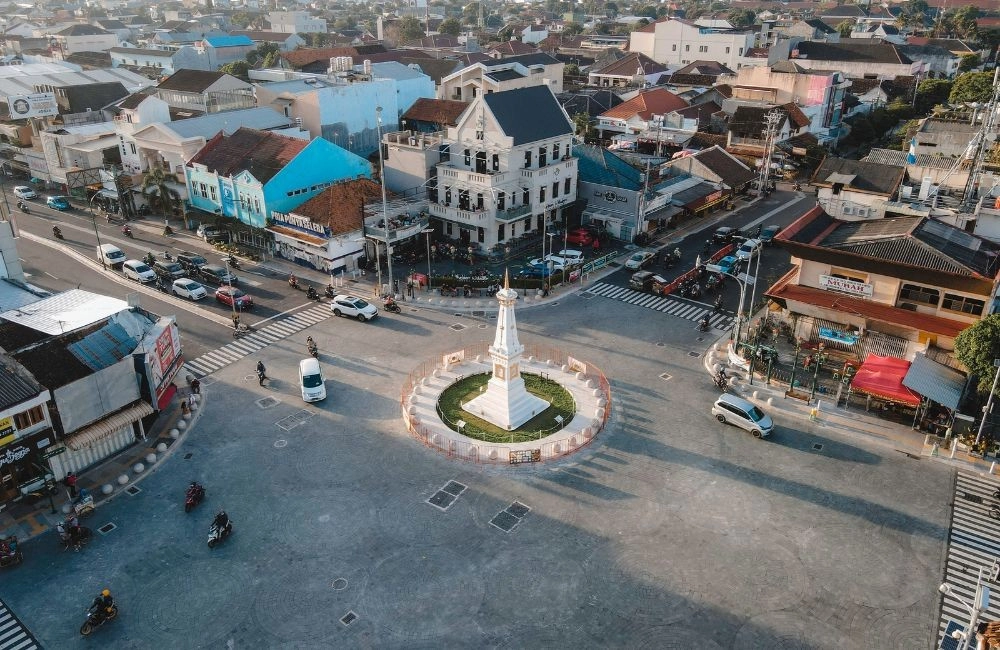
(191, 261)
(218, 274)
(168, 270)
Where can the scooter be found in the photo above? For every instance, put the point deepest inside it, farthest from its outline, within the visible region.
(329, 292)
(391, 305)
(312, 294)
(293, 282)
(56, 232)
(12, 556)
(720, 381)
(127, 232)
(233, 262)
(703, 325)
(718, 303)
(217, 534)
(94, 620)
(312, 349)
(75, 536)
(195, 494)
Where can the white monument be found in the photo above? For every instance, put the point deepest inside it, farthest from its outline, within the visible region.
(506, 402)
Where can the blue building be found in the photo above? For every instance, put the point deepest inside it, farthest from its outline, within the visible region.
(251, 174)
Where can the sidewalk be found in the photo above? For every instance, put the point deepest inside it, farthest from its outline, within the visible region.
(32, 517)
(823, 417)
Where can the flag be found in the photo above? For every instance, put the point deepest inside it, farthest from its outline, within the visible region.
(911, 156)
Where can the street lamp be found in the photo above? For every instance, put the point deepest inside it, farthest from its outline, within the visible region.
(385, 217)
(549, 263)
(232, 296)
(989, 402)
(93, 218)
(428, 231)
(981, 601)
(713, 268)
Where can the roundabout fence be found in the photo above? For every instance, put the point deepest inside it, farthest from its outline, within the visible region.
(468, 450)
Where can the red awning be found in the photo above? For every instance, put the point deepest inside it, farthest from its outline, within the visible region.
(882, 377)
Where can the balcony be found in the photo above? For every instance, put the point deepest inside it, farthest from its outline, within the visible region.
(448, 174)
(565, 164)
(401, 226)
(513, 214)
(477, 218)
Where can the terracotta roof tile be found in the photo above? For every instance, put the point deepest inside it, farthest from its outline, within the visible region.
(262, 153)
(340, 206)
(630, 65)
(435, 111)
(657, 101)
(307, 55)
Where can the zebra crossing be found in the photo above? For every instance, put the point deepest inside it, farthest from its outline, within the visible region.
(13, 634)
(973, 542)
(209, 362)
(688, 310)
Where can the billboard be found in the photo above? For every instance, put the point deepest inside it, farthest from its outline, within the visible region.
(35, 105)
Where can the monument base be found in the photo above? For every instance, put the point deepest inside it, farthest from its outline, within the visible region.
(506, 405)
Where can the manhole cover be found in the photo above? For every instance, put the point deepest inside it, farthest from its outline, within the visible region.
(483, 326)
(694, 354)
(817, 447)
(700, 338)
(458, 327)
(505, 521)
(553, 304)
(133, 490)
(279, 444)
(294, 420)
(208, 380)
(442, 500)
(665, 377)
(454, 487)
(188, 456)
(349, 618)
(972, 497)
(340, 584)
(518, 509)
(106, 528)
(480, 313)
(266, 402)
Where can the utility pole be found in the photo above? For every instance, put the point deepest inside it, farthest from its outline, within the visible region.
(771, 121)
(983, 143)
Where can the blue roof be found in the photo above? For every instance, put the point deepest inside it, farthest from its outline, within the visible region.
(103, 348)
(598, 165)
(229, 41)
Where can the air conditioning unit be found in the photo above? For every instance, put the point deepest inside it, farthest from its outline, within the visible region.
(908, 306)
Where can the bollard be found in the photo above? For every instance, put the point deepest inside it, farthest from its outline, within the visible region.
(954, 446)
(992, 465)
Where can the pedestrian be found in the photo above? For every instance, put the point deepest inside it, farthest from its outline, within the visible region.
(395, 287)
(261, 373)
(409, 287)
(545, 290)
(195, 387)
(185, 409)
(70, 482)
(236, 321)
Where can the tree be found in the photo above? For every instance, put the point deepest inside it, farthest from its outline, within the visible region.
(962, 23)
(259, 54)
(845, 28)
(450, 26)
(742, 18)
(930, 93)
(239, 69)
(158, 194)
(972, 87)
(611, 9)
(572, 29)
(410, 29)
(649, 11)
(571, 70)
(584, 126)
(968, 62)
(977, 346)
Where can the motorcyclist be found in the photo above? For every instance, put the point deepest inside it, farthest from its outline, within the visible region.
(221, 521)
(102, 605)
(150, 259)
(194, 489)
(703, 324)
(310, 345)
(167, 256)
(293, 281)
(126, 230)
(56, 231)
(311, 293)
(677, 253)
(718, 302)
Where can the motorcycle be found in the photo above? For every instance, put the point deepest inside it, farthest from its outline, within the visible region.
(293, 282)
(56, 232)
(391, 305)
(194, 495)
(312, 294)
(150, 259)
(218, 533)
(312, 348)
(233, 262)
(703, 325)
(167, 256)
(75, 536)
(10, 554)
(718, 304)
(127, 232)
(95, 620)
(720, 381)
(329, 292)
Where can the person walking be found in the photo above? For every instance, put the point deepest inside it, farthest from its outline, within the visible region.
(409, 288)
(261, 373)
(70, 482)
(236, 321)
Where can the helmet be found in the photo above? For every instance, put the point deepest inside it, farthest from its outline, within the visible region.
(106, 592)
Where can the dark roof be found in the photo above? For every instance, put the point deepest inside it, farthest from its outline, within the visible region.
(820, 26)
(192, 81)
(795, 114)
(306, 55)
(547, 117)
(436, 69)
(511, 48)
(82, 30)
(702, 112)
(51, 362)
(732, 172)
(111, 23)
(503, 75)
(591, 102)
(435, 111)
(133, 101)
(143, 51)
(853, 52)
(93, 96)
(17, 385)
(262, 153)
(90, 60)
(867, 176)
(708, 68)
(630, 65)
(340, 207)
(749, 120)
(530, 59)
(598, 165)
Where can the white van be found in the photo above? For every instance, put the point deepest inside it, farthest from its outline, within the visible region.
(311, 380)
(111, 255)
(137, 270)
(736, 410)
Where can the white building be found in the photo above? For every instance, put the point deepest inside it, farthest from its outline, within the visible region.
(296, 22)
(506, 74)
(677, 42)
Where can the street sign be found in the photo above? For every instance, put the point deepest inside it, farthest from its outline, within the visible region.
(54, 452)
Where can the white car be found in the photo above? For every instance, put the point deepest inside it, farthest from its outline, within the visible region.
(352, 306)
(748, 250)
(639, 260)
(25, 192)
(137, 270)
(187, 288)
(557, 263)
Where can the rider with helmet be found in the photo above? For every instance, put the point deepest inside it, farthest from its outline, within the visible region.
(221, 521)
(102, 605)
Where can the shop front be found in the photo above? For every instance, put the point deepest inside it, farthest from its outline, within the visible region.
(23, 461)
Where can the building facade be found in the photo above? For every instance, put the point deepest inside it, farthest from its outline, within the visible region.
(677, 42)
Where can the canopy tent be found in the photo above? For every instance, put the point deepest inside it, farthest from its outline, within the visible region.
(935, 381)
(882, 378)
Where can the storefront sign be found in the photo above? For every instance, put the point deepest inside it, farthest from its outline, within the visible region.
(853, 287)
(35, 105)
(6, 427)
(13, 454)
(54, 452)
(302, 223)
(836, 335)
(611, 197)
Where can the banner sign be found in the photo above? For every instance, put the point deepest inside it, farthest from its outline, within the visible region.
(36, 105)
(853, 287)
(836, 335)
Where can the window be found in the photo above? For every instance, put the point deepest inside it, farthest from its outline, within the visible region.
(962, 304)
(447, 196)
(848, 275)
(687, 48)
(496, 162)
(213, 193)
(703, 48)
(527, 159)
(566, 186)
(741, 51)
(132, 147)
(540, 223)
(447, 227)
(500, 232)
(203, 190)
(916, 293)
(482, 235)
(479, 201)
(555, 151)
(527, 224)
(541, 156)
(727, 50)
(541, 195)
(34, 415)
(555, 190)
(673, 48)
(501, 200)
(526, 197)
(468, 157)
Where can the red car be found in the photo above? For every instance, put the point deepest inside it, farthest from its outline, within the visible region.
(233, 297)
(580, 236)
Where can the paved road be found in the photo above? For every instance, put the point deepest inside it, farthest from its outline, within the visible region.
(13, 634)
(670, 530)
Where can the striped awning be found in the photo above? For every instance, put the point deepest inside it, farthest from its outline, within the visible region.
(98, 431)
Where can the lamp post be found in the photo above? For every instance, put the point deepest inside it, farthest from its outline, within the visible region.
(753, 291)
(385, 217)
(93, 219)
(549, 263)
(795, 365)
(989, 402)
(428, 231)
(981, 601)
(818, 361)
(232, 297)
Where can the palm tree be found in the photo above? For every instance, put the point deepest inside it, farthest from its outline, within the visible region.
(158, 194)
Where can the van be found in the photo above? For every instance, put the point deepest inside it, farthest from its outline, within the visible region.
(191, 261)
(311, 380)
(730, 409)
(137, 270)
(110, 255)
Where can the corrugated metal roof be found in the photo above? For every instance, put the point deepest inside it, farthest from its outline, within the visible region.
(103, 348)
(261, 117)
(935, 381)
(229, 41)
(17, 385)
(65, 312)
(109, 425)
(897, 158)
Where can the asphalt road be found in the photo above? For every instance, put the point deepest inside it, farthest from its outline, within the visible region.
(669, 531)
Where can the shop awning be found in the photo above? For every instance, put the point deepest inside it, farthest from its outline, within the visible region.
(882, 377)
(108, 426)
(935, 381)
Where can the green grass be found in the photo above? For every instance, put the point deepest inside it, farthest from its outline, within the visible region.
(560, 403)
